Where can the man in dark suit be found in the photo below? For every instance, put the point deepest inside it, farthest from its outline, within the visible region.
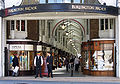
(15, 63)
(38, 62)
(49, 61)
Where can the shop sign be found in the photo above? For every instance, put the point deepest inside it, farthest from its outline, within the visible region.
(83, 7)
(64, 7)
(39, 47)
(16, 47)
(21, 47)
(29, 47)
(48, 49)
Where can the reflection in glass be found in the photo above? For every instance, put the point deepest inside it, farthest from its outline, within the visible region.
(25, 59)
(59, 1)
(102, 60)
(76, 1)
(18, 25)
(67, 1)
(12, 24)
(22, 25)
(51, 1)
(42, 1)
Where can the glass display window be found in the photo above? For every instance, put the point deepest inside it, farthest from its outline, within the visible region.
(102, 60)
(85, 56)
(18, 25)
(25, 59)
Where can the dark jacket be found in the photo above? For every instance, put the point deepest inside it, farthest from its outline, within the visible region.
(15, 61)
(49, 60)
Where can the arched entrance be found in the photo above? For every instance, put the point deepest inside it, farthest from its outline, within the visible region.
(63, 29)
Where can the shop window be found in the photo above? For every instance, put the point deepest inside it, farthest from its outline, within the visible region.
(25, 59)
(86, 59)
(102, 24)
(12, 24)
(112, 23)
(103, 59)
(18, 25)
(22, 25)
(106, 24)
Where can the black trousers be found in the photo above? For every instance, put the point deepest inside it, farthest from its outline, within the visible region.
(49, 70)
(38, 70)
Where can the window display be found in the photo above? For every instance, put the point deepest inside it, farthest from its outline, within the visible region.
(86, 59)
(98, 57)
(24, 57)
(103, 60)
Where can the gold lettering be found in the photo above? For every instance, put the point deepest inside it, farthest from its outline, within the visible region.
(22, 9)
(83, 7)
(100, 8)
(31, 8)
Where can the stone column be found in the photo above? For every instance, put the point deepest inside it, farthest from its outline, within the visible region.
(40, 31)
(46, 31)
(1, 42)
(117, 39)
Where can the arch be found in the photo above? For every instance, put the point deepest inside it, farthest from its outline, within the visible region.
(55, 27)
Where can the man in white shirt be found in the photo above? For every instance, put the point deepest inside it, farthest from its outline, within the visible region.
(38, 62)
(76, 62)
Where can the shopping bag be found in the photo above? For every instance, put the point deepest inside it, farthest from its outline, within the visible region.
(16, 69)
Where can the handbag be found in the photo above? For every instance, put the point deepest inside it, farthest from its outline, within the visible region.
(16, 69)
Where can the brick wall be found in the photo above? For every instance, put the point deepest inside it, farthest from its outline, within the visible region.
(8, 29)
(33, 29)
(94, 28)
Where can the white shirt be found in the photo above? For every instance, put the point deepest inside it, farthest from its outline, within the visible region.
(76, 61)
(38, 58)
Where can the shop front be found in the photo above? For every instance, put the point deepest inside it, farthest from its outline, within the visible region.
(98, 57)
(25, 54)
(39, 22)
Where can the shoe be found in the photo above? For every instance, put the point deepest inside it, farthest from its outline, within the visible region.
(35, 76)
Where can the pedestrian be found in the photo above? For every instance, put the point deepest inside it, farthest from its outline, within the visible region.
(67, 63)
(38, 62)
(49, 61)
(71, 65)
(76, 62)
(15, 65)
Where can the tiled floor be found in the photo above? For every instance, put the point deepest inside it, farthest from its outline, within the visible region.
(61, 72)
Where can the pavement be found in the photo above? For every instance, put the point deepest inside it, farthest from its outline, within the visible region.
(61, 77)
(59, 80)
